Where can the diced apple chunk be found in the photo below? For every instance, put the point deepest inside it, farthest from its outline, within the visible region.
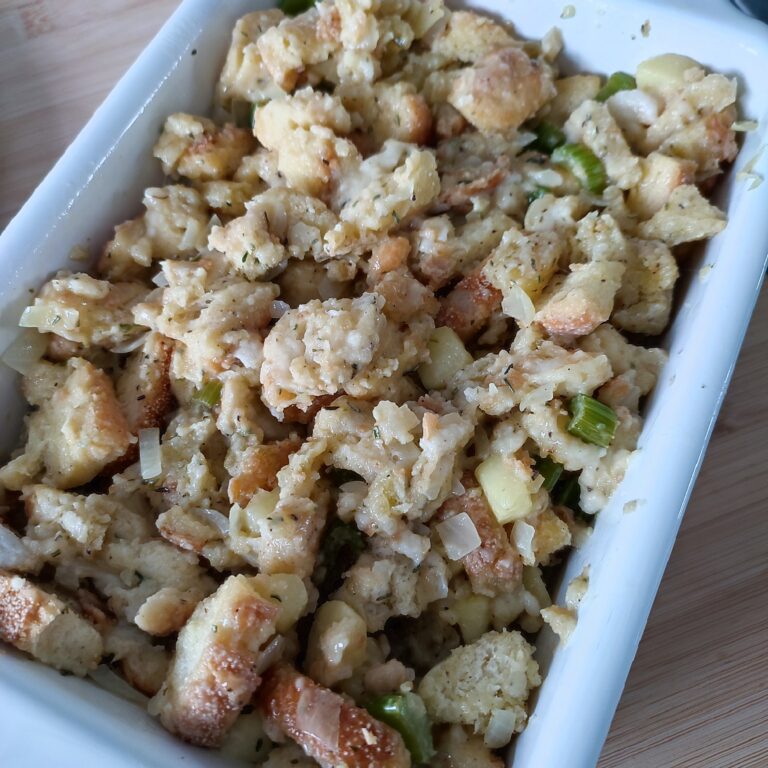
(663, 72)
(505, 488)
(447, 355)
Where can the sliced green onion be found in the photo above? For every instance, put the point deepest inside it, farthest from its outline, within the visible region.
(592, 421)
(548, 138)
(406, 713)
(342, 545)
(209, 394)
(550, 470)
(567, 492)
(582, 162)
(537, 192)
(294, 7)
(618, 81)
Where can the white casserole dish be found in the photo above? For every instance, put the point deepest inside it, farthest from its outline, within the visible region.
(98, 183)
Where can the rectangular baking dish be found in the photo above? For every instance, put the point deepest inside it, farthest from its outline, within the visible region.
(98, 183)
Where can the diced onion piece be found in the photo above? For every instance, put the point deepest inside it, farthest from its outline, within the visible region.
(216, 519)
(271, 654)
(507, 493)
(459, 536)
(160, 279)
(192, 235)
(130, 345)
(447, 355)
(473, 615)
(500, 729)
(26, 350)
(45, 318)
(635, 106)
(517, 304)
(663, 72)
(109, 681)
(14, 553)
(744, 125)
(568, 12)
(149, 453)
(246, 520)
(522, 534)
(318, 713)
(278, 309)
(546, 177)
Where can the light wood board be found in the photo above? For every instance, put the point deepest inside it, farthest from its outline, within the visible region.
(697, 694)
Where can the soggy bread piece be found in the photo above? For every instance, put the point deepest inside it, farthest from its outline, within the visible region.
(494, 673)
(77, 430)
(502, 90)
(37, 622)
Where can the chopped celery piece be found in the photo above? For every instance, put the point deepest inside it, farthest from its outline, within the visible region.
(548, 138)
(550, 470)
(537, 192)
(294, 7)
(618, 81)
(209, 394)
(567, 493)
(406, 713)
(592, 421)
(582, 162)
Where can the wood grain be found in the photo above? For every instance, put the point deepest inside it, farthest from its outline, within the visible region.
(696, 695)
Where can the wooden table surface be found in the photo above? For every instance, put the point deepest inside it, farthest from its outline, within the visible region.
(697, 694)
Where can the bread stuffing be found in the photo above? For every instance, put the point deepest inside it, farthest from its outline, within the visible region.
(306, 445)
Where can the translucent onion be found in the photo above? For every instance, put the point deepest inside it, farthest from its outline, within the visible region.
(216, 519)
(109, 681)
(517, 304)
(500, 728)
(271, 654)
(130, 345)
(39, 316)
(278, 309)
(191, 236)
(318, 714)
(744, 125)
(22, 354)
(14, 554)
(522, 534)
(160, 280)
(634, 106)
(149, 453)
(459, 536)
(546, 177)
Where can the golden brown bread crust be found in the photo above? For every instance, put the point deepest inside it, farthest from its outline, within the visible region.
(495, 566)
(469, 306)
(363, 742)
(260, 468)
(214, 673)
